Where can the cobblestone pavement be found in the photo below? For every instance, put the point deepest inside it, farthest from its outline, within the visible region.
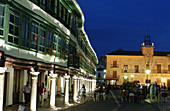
(113, 105)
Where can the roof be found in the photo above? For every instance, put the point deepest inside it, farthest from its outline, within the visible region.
(137, 53)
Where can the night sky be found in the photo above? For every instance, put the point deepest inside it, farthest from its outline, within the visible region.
(114, 24)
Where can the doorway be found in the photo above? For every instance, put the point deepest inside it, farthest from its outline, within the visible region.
(16, 86)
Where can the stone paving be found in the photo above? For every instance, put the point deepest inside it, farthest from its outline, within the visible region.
(163, 105)
(59, 105)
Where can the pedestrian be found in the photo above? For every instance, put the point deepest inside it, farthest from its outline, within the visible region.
(26, 90)
(42, 91)
(83, 91)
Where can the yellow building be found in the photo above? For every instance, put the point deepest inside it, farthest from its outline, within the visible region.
(142, 66)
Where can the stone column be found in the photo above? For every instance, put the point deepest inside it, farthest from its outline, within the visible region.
(66, 99)
(78, 85)
(52, 90)
(2, 70)
(75, 88)
(33, 91)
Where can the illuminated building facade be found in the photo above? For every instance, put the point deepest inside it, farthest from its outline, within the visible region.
(144, 66)
(46, 35)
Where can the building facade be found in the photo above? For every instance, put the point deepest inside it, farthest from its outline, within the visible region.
(145, 66)
(101, 71)
(45, 35)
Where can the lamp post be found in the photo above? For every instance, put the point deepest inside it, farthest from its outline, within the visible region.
(147, 73)
(132, 76)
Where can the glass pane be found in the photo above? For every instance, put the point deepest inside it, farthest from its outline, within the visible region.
(16, 40)
(10, 38)
(16, 31)
(2, 10)
(36, 30)
(23, 24)
(1, 21)
(23, 33)
(27, 45)
(32, 45)
(33, 28)
(23, 43)
(11, 18)
(27, 35)
(16, 21)
(32, 37)
(11, 27)
(1, 32)
(27, 26)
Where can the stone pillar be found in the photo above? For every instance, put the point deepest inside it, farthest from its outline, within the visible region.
(52, 91)
(66, 99)
(75, 88)
(78, 85)
(2, 70)
(33, 91)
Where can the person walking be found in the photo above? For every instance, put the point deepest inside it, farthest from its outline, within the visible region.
(42, 91)
(83, 91)
(26, 90)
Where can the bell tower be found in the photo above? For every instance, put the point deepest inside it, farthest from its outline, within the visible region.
(148, 50)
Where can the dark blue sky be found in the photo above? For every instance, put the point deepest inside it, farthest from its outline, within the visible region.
(113, 24)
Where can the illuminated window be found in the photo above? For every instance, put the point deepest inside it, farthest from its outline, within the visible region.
(136, 69)
(125, 68)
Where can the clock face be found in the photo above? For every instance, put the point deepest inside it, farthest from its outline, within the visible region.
(148, 54)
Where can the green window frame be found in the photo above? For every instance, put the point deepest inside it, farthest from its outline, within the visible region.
(55, 45)
(13, 36)
(34, 36)
(59, 47)
(2, 9)
(42, 40)
(25, 37)
(49, 42)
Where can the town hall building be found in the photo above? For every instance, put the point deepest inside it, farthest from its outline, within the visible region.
(145, 66)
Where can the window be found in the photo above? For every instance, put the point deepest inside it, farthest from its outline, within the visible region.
(49, 43)
(49, 4)
(99, 75)
(34, 36)
(158, 68)
(125, 68)
(54, 45)
(13, 29)
(114, 74)
(136, 69)
(42, 40)
(42, 2)
(169, 68)
(1, 19)
(25, 34)
(114, 63)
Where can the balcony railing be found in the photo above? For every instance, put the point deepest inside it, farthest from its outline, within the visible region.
(143, 71)
(133, 71)
(160, 71)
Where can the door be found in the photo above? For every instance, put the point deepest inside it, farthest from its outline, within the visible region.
(16, 86)
(168, 83)
(5, 88)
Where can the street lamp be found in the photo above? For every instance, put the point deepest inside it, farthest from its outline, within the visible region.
(148, 71)
(132, 76)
